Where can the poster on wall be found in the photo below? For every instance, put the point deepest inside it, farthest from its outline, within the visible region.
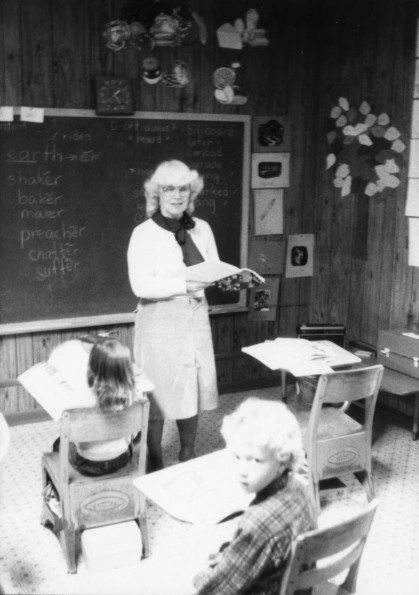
(270, 170)
(300, 255)
(271, 133)
(266, 257)
(263, 300)
(269, 211)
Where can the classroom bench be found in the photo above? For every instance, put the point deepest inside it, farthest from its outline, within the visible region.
(402, 385)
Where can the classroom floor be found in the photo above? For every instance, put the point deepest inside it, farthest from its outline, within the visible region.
(31, 560)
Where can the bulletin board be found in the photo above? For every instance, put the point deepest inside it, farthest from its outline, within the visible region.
(71, 193)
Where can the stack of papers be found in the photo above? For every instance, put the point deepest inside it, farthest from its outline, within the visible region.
(301, 357)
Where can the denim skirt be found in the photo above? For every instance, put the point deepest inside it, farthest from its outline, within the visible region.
(173, 345)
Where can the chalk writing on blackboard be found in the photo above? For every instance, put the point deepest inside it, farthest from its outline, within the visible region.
(71, 192)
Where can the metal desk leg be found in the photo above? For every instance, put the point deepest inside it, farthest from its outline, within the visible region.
(416, 416)
(284, 387)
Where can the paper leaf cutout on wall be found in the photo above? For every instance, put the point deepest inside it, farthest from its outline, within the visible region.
(364, 150)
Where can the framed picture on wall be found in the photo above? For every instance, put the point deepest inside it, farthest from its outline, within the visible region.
(266, 257)
(271, 133)
(271, 170)
(263, 300)
(300, 254)
(269, 211)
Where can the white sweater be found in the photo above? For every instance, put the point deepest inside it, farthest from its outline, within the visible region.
(155, 259)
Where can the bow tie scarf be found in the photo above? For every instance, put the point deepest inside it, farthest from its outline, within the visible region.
(179, 228)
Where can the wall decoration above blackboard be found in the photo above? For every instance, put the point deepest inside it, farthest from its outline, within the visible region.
(271, 133)
(71, 194)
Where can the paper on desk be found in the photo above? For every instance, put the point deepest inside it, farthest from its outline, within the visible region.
(61, 382)
(48, 386)
(201, 491)
(301, 357)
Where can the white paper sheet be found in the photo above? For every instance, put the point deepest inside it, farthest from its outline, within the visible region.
(301, 357)
(204, 490)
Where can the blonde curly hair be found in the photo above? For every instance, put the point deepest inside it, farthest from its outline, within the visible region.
(171, 173)
(268, 425)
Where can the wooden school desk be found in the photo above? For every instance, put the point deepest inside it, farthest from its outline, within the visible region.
(401, 385)
(336, 357)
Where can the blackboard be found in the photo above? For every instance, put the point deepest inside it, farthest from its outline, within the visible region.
(71, 192)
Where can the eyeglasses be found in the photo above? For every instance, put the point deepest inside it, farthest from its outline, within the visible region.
(174, 189)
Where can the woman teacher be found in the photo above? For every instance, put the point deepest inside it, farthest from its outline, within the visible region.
(173, 343)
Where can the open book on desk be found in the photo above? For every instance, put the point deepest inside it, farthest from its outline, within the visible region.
(301, 357)
(61, 382)
(214, 271)
(201, 491)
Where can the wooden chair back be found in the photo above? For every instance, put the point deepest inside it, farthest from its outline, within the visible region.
(92, 424)
(321, 555)
(88, 502)
(335, 443)
(345, 387)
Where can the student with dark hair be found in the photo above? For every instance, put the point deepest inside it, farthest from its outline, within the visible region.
(110, 375)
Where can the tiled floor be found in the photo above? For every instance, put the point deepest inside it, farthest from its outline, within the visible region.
(31, 560)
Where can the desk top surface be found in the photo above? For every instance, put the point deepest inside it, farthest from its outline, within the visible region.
(394, 382)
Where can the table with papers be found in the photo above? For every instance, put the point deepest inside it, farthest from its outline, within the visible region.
(301, 357)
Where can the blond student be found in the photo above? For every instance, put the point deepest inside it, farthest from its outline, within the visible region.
(265, 440)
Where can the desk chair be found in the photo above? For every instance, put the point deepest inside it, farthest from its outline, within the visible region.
(321, 555)
(87, 502)
(335, 443)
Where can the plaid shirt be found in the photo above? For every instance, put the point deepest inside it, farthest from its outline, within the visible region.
(253, 562)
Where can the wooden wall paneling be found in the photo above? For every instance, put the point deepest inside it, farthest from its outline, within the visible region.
(11, 65)
(190, 56)
(8, 371)
(341, 245)
(24, 360)
(382, 210)
(133, 58)
(326, 44)
(404, 306)
(209, 61)
(69, 54)
(172, 97)
(100, 12)
(36, 52)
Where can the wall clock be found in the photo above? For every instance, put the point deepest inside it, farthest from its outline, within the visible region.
(114, 96)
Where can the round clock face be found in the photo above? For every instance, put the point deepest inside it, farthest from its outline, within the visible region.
(114, 95)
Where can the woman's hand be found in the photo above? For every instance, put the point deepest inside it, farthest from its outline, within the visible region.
(194, 286)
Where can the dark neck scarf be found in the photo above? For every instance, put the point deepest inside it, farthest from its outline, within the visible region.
(179, 228)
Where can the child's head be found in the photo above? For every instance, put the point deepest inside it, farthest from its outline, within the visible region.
(110, 374)
(266, 440)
